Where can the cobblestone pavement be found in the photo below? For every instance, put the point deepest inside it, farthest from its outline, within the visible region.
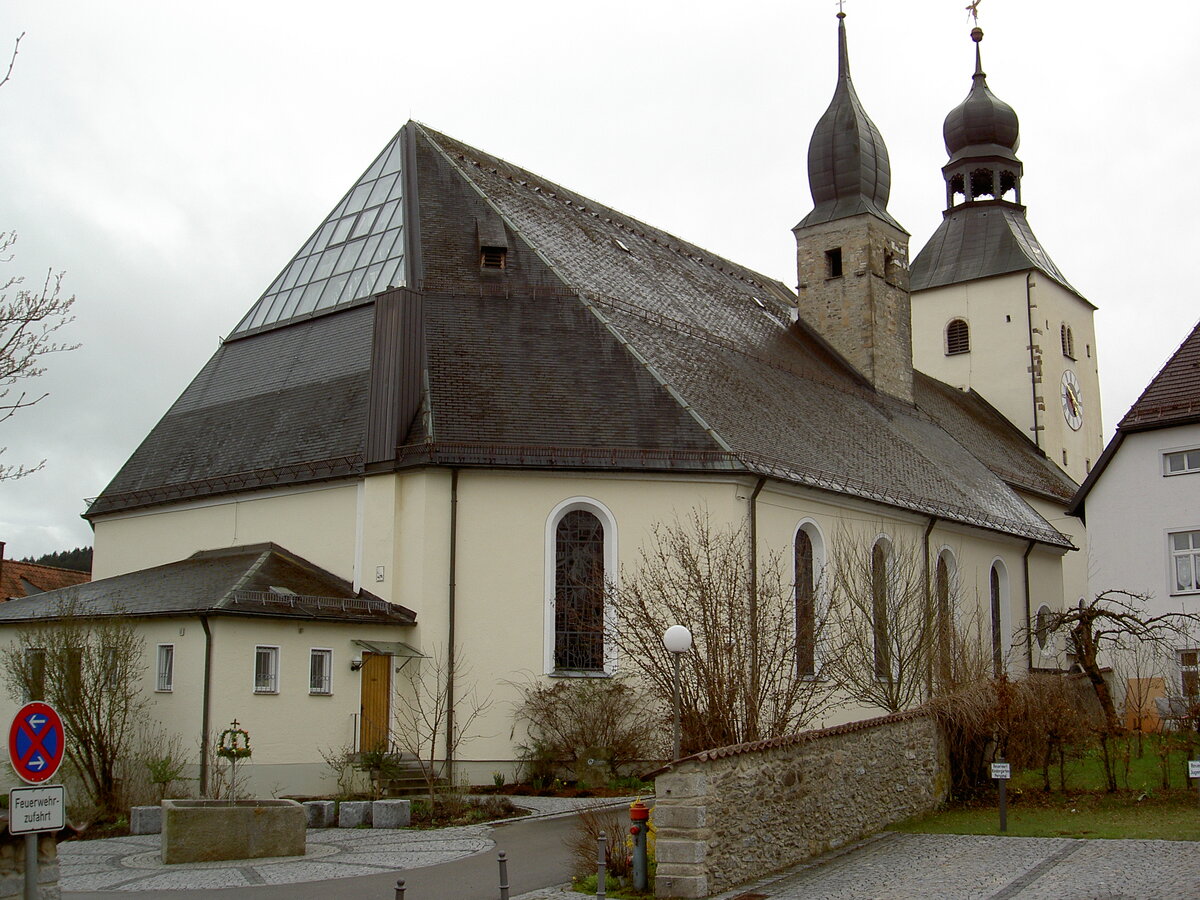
(894, 866)
(133, 863)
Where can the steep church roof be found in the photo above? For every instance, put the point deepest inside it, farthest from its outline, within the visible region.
(980, 238)
(540, 329)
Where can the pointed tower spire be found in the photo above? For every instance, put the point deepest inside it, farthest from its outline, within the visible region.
(848, 167)
(851, 255)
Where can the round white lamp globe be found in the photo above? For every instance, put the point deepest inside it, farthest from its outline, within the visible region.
(677, 639)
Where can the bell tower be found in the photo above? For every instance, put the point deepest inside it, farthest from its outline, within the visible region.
(991, 312)
(851, 255)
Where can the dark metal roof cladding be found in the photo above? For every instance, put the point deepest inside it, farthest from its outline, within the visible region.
(982, 123)
(848, 168)
(979, 240)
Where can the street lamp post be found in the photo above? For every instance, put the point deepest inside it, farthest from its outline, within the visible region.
(678, 641)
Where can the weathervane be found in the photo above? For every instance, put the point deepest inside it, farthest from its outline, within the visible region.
(973, 10)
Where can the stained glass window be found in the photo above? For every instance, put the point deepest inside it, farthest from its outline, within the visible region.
(579, 592)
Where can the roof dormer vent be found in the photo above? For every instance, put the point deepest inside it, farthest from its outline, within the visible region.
(493, 257)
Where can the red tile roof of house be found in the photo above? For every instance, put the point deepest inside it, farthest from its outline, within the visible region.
(1173, 396)
(16, 576)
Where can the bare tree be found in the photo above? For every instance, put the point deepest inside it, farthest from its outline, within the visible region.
(884, 627)
(1112, 619)
(29, 319)
(90, 670)
(695, 575)
(421, 714)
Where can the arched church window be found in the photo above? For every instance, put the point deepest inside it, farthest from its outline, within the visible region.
(806, 605)
(579, 592)
(945, 614)
(879, 609)
(958, 337)
(998, 588)
(1068, 341)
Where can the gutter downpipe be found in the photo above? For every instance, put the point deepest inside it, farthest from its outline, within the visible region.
(1033, 368)
(1028, 609)
(930, 613)
(451, 593)
(754, 673)
(205, 710)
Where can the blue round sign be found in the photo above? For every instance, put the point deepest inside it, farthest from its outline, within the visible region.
(36, 742)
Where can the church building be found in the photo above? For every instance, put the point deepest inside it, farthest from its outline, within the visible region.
(469, 378)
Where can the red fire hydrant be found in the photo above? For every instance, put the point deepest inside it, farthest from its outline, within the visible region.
(639, 815)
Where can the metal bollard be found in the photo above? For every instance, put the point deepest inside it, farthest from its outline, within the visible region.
(600, 867)
(503, 876)
(639, 815)
(400, 889)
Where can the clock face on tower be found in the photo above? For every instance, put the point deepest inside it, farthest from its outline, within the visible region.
(1072, 403)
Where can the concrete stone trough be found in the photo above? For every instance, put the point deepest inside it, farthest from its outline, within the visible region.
(206, 830)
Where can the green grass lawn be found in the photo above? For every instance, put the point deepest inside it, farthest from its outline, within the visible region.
(1140, 808)
(1164, 815)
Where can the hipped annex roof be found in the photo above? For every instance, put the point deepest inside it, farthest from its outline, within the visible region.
(259, 580)
(538, 329)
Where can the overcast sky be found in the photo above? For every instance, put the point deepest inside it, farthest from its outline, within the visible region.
(172, 157)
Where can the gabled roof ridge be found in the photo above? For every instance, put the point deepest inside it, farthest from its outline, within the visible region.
(1146, 412)
(611, 216)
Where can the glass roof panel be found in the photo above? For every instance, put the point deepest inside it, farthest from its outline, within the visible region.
(355, 252)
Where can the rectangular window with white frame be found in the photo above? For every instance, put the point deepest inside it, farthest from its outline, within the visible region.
(1185, 561)
(1181, 462)
(165, 678)
(320, 671)
(266, 670)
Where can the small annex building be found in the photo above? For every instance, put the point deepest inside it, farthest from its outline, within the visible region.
(470, 379)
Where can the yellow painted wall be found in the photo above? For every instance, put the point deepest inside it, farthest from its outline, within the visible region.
(319, 524)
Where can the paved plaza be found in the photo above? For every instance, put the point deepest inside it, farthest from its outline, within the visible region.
(892, 866)
(887, 866)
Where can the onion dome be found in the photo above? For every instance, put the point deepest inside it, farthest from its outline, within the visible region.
(848, 168)
(982, 123)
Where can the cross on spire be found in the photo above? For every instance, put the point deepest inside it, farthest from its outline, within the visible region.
(842, 12)
(973, 10)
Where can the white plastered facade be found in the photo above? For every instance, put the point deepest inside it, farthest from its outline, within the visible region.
(392, 534)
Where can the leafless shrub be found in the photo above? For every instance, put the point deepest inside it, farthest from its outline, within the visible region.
(583, 842)
(565, 718)
(742, 680)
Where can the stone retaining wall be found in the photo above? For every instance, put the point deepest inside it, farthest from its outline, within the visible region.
(727, 816)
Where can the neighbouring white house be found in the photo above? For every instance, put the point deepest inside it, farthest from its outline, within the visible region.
(468, 400)
(1142, 504)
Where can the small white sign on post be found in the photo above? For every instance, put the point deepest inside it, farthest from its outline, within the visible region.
(1194, 768)
(1002, 771)
(41, 808)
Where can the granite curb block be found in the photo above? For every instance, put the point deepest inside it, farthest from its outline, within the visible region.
(391, 813)
(145, 820)
(320, 813)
